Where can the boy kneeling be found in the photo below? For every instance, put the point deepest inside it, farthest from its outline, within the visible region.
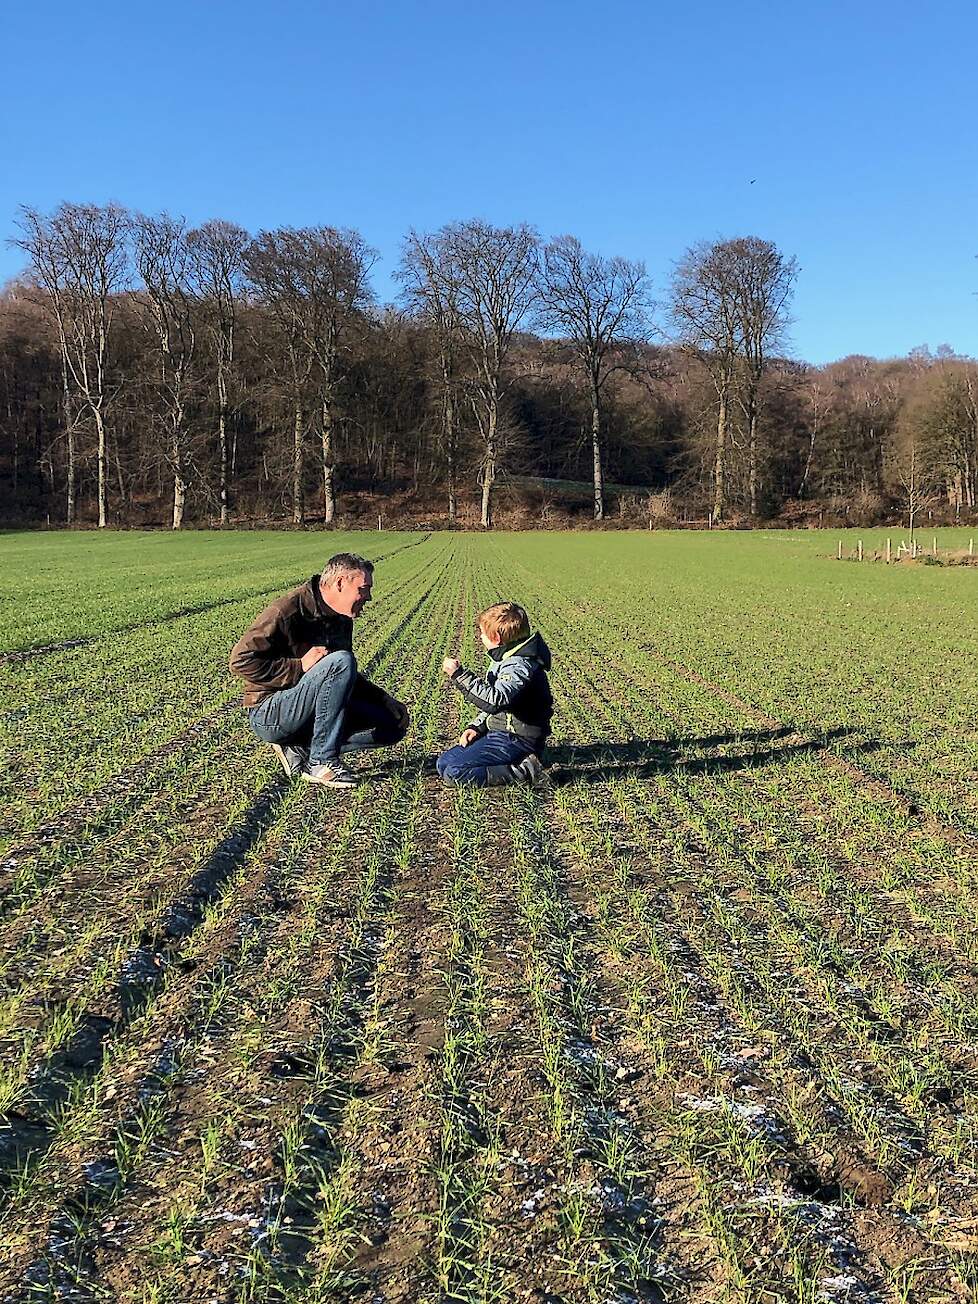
(505, 741)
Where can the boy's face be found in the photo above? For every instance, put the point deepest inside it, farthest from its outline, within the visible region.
(488, 640)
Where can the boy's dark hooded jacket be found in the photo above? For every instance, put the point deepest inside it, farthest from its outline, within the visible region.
(515, 695)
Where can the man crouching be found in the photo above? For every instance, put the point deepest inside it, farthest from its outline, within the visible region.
(303, 693)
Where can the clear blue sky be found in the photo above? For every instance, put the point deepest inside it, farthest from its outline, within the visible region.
(638, 127)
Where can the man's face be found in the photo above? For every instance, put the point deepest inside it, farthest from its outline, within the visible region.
(348, 594)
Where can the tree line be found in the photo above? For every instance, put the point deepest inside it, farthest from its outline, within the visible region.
(151, 369)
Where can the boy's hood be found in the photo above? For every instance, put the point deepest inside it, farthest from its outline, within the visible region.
(533, 649)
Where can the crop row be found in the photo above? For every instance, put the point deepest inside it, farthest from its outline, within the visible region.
(233, 892)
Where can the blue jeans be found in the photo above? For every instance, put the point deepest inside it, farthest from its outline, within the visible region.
(494, 751)
(328, 711)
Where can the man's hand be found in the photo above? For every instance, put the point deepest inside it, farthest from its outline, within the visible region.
(311, 657)
(450, 665)
(468, 736)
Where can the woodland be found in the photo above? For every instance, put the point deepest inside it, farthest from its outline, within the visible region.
(158, 374)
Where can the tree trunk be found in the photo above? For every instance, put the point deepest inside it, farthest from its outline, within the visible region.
(808, 462)
(452, 493)
(297, 465)
(180, 480)
(179, 497)
(450, 439)
(329, 496)
(596, 453)
(488, 480)
(809, 458)
(222, 443)
(70, 510)
(70, 437)
(489, 469)
(102, 469)
(752, 459)
(719, 468)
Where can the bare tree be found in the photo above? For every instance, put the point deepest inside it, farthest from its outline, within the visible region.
(706, 314)
(217, 253)
(315, 281)
(764, 281)
(730, 304)
(272, 285)
(913, 476)
(490, 274)
(163, 259)
(599, 304)
(430, 292)
(79, 258)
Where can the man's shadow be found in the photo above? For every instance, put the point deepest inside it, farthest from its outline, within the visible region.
(643, 758)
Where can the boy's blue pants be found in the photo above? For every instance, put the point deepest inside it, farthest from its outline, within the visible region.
(472, 764)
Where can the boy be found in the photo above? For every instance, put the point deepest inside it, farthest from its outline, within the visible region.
(505, 741)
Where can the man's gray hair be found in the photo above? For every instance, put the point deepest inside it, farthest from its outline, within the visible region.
(345, 563)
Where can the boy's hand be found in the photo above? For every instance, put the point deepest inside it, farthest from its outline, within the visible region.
(467, 736)
(450, 665)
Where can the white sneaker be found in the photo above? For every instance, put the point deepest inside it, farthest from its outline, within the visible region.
(332, 774)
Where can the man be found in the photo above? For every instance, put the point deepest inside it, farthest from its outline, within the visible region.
(302, 690)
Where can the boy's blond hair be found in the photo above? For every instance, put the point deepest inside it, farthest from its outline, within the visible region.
(506, 621)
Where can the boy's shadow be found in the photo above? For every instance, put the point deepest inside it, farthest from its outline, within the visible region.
(642, 758)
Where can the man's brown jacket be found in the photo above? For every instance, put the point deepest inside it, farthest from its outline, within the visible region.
(268, 655)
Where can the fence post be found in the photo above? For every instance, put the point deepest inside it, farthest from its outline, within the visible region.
(935, 545)
(889, 552)
(839, 553)
(859, 550)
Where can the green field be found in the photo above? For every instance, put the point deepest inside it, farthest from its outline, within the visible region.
(695, 1021)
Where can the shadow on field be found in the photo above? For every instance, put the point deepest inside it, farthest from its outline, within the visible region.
(29, 1129)
(642, 758)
